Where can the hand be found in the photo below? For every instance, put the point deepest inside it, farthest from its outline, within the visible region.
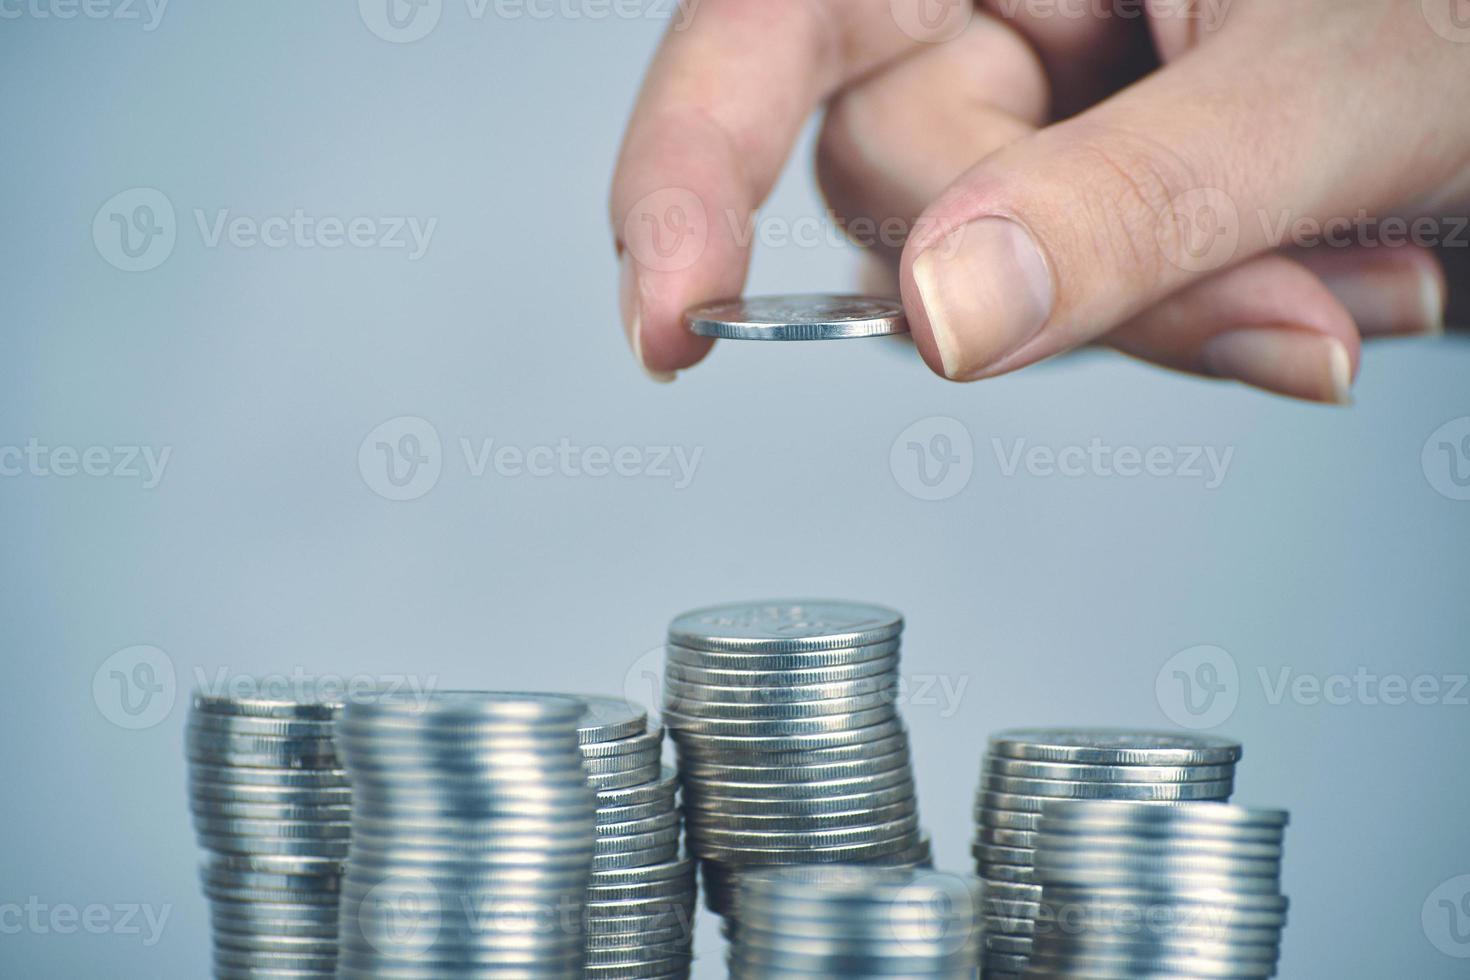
(1239, 188)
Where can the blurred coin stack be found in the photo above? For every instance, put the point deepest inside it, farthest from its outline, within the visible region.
(1134, 890)
(790, 746)
(1027, 768)
(473, 835)
(854, 922)
(271, 805)
(641, 900)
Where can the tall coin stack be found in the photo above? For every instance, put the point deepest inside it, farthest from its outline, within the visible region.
(790, 745)
(1027, 768)
(640, 903)
(271, 806)
(856, 922)
(473, 836)
(1142, 890)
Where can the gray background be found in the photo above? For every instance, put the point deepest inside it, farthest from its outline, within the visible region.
(1054, 599)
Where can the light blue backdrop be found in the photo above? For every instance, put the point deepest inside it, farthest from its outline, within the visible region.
(1325, 550)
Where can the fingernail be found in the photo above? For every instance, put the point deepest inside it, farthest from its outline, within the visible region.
(630, 307)
(1284, 360)
(986, 291)
(1390, 302)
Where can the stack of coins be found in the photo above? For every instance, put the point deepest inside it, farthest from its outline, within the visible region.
(854, 921)
(271, 805)
(472, 837)
(1147, 890)
(790, 746)
(1027, 768)
(640, 903)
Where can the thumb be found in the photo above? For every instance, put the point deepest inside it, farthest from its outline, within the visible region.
(1053, 240)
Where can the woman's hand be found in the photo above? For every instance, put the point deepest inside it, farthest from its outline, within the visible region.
(1241, 188)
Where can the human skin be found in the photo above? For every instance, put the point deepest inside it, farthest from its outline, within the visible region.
(1245, 189)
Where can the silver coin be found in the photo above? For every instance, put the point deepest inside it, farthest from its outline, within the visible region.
(608, 719)
(813, 316)
(1106, 746)
(1024, 769)
(780, 727)
(768, 679)
(641, 742)
(788, 626)
(251, 725)
(1066, 789)
(318, 708)
(735, 747)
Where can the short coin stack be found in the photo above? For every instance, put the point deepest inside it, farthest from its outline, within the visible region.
(473, 836)
(641, 900)
(1025, 769)
(851, 921)
(271, 805)
(1146, 890)
(791, 749)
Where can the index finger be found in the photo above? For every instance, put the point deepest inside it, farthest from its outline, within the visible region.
(723, 103)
